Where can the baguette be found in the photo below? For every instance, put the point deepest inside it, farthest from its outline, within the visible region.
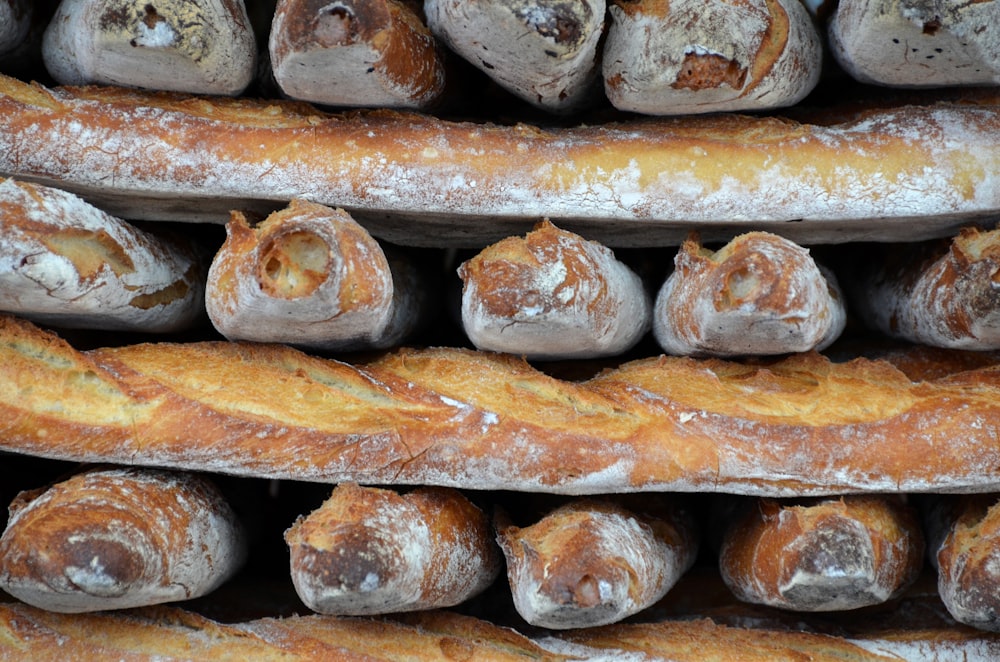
(367, 550)
(826, 555)
(552, 295)
(596, 561)
(797, 426)
(67, 263)
(371, 53)
(417, 180)
(310, 276)
(692, 56)
(902, 43)
(963, 545)
(205, 47)
(119, 538)
(758, 294)
(545, 52)
(938, 293)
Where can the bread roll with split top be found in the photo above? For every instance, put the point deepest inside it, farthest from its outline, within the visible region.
(117, 538)
(367, 53)
(203, 47)
(368, 550)
(67, 263)
(552, 295)
(760, 294)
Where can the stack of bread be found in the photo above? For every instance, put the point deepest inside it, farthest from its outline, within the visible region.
(635, 330)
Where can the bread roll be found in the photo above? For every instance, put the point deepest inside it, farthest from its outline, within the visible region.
(205, 47)
(826, 555)
(552, 295)
(15, 23)
(939, 293)
(692, 56)
(367, 550)
(545, 52)
(119, 538)
(759, 294)
(67, 263)
(908, 43)
(416, 180)
(370, 53)
(596, 561)
(964, 546)
(311, 276)
(797, 426)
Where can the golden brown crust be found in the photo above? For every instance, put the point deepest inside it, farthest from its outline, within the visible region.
(162, 156)
(801, 425)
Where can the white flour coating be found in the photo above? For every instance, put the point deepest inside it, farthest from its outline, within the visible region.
(186, 548)
(645, 57)
(512, 42)
(65, 262)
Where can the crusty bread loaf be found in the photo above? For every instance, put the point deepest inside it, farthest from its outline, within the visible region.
(759, 294)
(597, 561)
(693, 56)
(826, 555)
(67, 263)
(418, 180)
(917, 44)
(118, 538)
(546, 52)
(205, 47)
(311, 276)
(939, 293)
(368, 550)
(801, 425)
(357, 53)
(552, 295)
(964, 546)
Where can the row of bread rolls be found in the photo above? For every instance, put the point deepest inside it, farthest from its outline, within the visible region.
(649, 56)
(113, 538)
(312, 276)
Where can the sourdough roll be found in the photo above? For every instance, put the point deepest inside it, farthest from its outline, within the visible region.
(943, 293)
(913, 43)
(369, 53)
(595, 561)
(311, 276)
(760, 294)
(693, 56)
(369, 550)
(203, 47)
(824, 555)
(545, 52)
(117, 538)
(67, 263)
(552, 295)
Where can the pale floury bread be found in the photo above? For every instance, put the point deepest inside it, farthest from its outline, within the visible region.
(203, 46)
(15, 22)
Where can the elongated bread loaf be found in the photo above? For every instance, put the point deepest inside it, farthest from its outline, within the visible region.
(801, 425)
(311, 276)
(552, 295)
(546, 52)
(827, 555)
(368, 550)
(597, 561)
(418, 180)
(964, 546)
(939, 293)
(205, 47)
(917, 44)
(367, 53)
(758, 294)
(693, 56)
(67, 263)
(118, 538)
